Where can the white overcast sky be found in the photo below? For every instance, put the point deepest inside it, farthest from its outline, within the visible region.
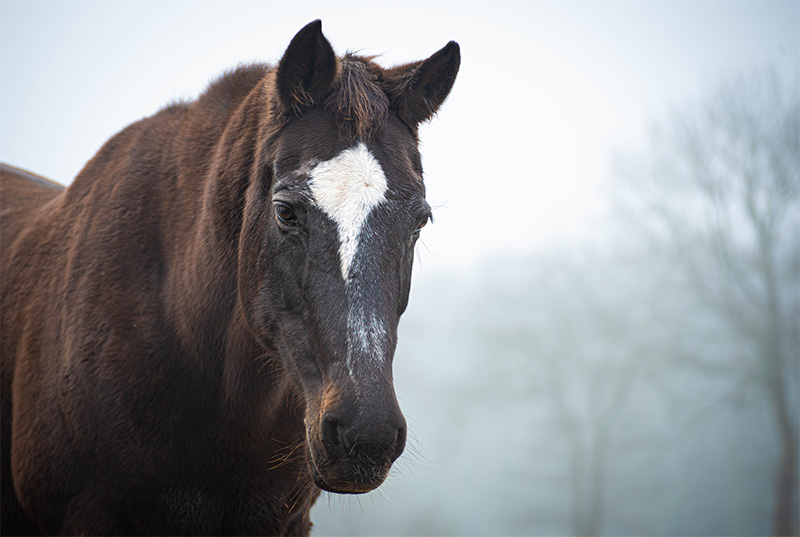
(546, 92)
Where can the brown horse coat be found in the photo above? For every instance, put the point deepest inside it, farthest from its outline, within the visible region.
(138, 395)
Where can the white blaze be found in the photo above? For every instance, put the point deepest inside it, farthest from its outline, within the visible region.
(347, 188)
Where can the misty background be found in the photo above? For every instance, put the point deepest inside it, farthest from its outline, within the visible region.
(603, 336)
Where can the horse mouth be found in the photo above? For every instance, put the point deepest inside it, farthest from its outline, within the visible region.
(347, 477)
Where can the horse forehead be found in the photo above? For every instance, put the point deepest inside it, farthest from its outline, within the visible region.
(347, 188)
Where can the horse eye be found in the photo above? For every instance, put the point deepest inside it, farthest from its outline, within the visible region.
(285, 214)
(422, 225)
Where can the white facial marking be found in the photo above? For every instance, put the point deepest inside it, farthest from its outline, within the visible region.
(347, 188)
(367, 336)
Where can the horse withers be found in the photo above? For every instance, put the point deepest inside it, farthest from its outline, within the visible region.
(197, 335)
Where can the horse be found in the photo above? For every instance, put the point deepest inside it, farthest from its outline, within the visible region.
(198, 334)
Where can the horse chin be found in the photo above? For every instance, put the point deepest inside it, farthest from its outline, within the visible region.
(333, 483)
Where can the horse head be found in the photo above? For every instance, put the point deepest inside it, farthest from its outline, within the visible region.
(324, 273)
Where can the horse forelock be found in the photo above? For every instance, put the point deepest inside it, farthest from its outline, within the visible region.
(357, 102)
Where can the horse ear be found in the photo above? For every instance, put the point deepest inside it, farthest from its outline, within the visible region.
(307, 69)
(418, 89)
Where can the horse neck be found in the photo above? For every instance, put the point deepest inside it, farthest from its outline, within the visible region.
(205, 304)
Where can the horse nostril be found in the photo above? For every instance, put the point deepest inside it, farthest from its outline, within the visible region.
(376, 445)
(399, 443)
(331, 435)
(348, 443)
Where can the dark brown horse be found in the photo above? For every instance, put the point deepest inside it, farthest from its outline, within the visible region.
(197, 335)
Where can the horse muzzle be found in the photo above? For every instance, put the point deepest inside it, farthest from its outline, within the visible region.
(352, 452)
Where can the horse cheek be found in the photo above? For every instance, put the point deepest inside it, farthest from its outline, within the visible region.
(252, 269)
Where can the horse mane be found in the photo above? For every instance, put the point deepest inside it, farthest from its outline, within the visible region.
(358, 101)
(230, 88)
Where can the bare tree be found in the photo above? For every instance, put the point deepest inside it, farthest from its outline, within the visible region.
(717, 191)
(576, 333)
(588, 367)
